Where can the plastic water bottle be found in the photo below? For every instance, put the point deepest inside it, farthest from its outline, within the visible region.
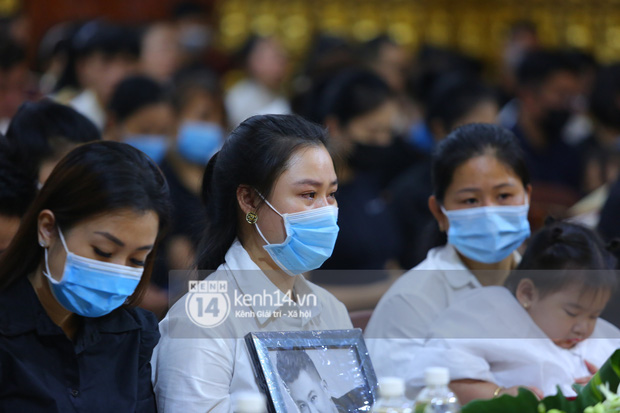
(392, 397)
(249, 402)
(436, 397)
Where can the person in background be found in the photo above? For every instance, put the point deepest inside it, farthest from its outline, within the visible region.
(70, 337)
(105, 54)
(432, 64)
(271, 216)
(546, 93)
(16, 83)
(388, 59)
(522, 38)
(140, 114)
(194, 22)
(53, 55)
(266, 64)
(541, 330)
(17, 191)
(481, 192)
(602, 148)
(200, 120)
(360, 111)
(455, 101)
(160, 53)
(41, 133)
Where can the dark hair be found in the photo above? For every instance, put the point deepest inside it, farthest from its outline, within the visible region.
(604, 100)
(353, 93)
(256, 153)
(467, 142)
(93, 179)
(290, 363)
(538, 66)
(190, 80)
(106, 38)
(134, 93)
(17, 189)
(569, 249)
(472, 140)
(453, 97)
(41, 130)
(96, 37)
(11, 54)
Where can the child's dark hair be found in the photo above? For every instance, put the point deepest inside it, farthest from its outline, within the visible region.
(557, 256)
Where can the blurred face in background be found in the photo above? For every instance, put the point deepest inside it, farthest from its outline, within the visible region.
(202, 106)
(268, 63)
(101, 73)
(391, 65)
(160, 55)
(14, 84)
(374, 128)
(154, 119)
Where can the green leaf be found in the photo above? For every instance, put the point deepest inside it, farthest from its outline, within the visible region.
(526, 401)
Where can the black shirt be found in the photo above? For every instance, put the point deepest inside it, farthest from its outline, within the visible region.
(105, 369)
(188, 220)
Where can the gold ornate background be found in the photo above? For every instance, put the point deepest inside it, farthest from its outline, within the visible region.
(477, 27)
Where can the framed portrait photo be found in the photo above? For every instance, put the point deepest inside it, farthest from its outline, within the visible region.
(314, 371)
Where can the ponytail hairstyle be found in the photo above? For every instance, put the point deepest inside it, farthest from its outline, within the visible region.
(256, 153)
(93, 179)
(561, 254)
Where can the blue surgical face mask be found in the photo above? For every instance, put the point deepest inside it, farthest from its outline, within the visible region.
(155, 146)
(488, 234)
(92, 288)
(310, 239)
(199, 141)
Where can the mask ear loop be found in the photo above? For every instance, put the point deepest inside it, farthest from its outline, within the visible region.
(47, 271)
(274, 210)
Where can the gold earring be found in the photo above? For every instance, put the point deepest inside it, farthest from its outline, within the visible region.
(251, 217)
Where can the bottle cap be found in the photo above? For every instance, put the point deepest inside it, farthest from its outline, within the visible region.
(437, 376)
(391, 387)
(249, 402)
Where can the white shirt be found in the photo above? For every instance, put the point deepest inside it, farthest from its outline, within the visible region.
(487, 335)
(248, 98)
(88, 105)
(404, 315)
(197, 369)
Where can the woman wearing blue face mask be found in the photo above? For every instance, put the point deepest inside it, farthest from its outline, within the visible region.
(480, 203)
(70, 338)
(271, 216)
(140, 114)
(200, 118)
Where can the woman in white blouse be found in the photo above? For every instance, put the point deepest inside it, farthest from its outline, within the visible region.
(480, 201)
(271, 216)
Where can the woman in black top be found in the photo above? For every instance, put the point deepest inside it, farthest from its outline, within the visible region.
(70, 338)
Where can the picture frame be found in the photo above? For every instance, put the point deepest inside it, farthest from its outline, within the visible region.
(330, 369)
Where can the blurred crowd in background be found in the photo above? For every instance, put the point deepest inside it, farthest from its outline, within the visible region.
(166, 88)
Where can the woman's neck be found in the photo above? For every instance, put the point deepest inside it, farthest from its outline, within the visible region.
(490, 274)
(59, 315)
(254, 247)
